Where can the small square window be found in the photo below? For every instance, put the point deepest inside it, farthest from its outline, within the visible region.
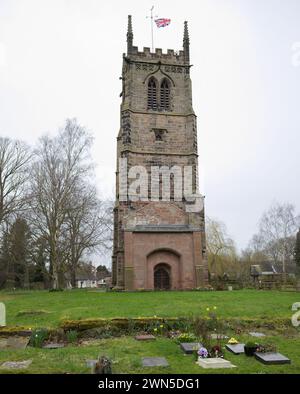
(159, 134)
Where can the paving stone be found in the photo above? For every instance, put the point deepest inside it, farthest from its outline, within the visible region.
(257, 334)
(16, 364)
(53, 346)
(272, 358)
(154, 362)
(214, 363)
(190, 347)
(145, 337)
(236, 349)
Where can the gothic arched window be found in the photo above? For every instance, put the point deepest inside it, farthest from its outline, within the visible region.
(165, 95)
(152, 94)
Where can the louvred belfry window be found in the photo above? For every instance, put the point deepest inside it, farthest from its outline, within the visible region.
(165, 95)
(152, 94)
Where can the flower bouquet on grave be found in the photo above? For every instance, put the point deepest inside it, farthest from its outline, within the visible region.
(203, 353)
(266, 348)
(213, 352)
(216, 352)
(233, 341)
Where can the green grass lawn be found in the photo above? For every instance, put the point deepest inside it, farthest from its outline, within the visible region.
(81, 304)
(126, 354)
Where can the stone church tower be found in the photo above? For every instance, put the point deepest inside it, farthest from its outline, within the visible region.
(159, 243)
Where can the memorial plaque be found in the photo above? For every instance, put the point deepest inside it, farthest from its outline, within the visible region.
(190, 347)
(272, 358)
(154, 362)
(236, 349)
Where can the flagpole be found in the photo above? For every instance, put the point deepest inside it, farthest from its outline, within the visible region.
(152, 28)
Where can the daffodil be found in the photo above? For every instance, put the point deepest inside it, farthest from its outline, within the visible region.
(233, 341)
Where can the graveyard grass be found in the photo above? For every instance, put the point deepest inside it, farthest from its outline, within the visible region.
(49, 308)
(126, 352)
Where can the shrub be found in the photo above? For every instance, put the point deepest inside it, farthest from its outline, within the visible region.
(251, 344)
(186, 337)
(38, 337)
(72, 336)
(201, 328)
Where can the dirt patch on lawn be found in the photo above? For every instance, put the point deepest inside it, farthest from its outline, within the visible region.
(32, 313)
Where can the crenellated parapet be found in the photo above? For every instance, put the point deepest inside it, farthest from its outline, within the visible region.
(172, 57)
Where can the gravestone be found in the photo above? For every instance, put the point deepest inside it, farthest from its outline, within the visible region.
(145, 337)
(154, 362)
(238, 348)
(90, 363)
(272, 358)
(53, 346)
(190, 347)
(214, 363)
(2, 315)
(16, 364)
(257, 334)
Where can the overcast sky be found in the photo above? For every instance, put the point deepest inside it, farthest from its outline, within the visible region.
(63, 58)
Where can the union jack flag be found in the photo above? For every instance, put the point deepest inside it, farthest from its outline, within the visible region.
(162, 22)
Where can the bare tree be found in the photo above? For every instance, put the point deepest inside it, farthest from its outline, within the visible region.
(14, 160)
(61, 163)
(86, 226)
(277, 229)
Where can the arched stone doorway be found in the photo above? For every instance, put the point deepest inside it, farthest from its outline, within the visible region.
(163, 270)
(162, 277)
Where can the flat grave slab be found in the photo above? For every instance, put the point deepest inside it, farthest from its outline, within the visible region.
(154, 362)
(214, 363)
(257, 334)
(145, 337)
(16, 364)
(14, 342)
(53, 346)
(236, 349)
(272, 358)
(190, 347)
